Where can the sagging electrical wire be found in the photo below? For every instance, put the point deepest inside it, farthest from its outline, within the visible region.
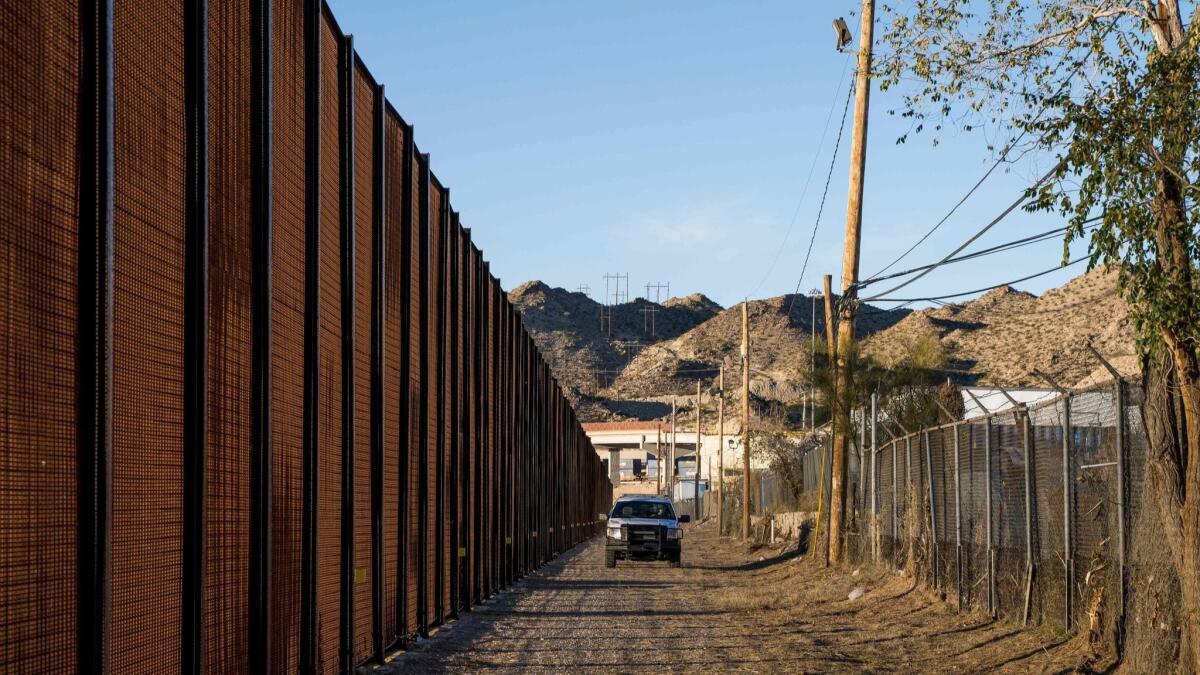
(935, 298)
(804, 191)
(983, 230)
(821, 208)
(999, 248)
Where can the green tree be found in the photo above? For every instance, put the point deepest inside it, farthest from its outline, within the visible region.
(1108, 91)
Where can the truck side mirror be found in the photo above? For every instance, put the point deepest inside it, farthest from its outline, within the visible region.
(685, 518)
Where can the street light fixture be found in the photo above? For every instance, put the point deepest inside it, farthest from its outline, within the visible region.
(844, 37)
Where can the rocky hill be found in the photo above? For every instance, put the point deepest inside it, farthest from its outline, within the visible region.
(587, 344)
(780, 328)
(1003, 336)
(998, 338)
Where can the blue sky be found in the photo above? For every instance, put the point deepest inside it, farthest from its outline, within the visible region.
(671, 140)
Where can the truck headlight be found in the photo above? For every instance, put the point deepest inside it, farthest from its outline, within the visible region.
(674, 533)
(614, 532)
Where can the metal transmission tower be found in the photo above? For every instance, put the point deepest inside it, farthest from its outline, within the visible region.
(659, 288)
(648, 314)
(616, 291)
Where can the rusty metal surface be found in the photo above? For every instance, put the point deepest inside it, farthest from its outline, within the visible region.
(363, 224)
(287, 349)
(329, 471)
(148, 338)
(486, 473)
(38, 233)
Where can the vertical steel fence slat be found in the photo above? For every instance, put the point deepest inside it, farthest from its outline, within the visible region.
(423, 225)
(94, 323)
(455, 393)
(195, 367)
(346, 153)
(312, 304)
(261, 121)
(406, 366)
(378, 301)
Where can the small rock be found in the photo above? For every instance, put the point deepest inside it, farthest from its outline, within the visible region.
(857, 593)
(760, 558)
(854, 573)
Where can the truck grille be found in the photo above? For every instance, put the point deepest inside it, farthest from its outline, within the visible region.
(643, 533)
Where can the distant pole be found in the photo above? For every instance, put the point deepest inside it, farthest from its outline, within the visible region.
(721, 452)
(696, 479)
(745, 420)
(850, 255)
(658, 451)
(670, 481)
(812, 366)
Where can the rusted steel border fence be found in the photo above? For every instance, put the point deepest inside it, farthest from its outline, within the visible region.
(264, 408)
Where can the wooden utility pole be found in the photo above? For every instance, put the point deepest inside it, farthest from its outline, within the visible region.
(831, 349)
(721, 452)
(658, 451)
(745, 420)
(858, 156)
(696, 479)
(670, 480)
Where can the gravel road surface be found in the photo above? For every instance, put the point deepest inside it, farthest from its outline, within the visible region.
(730, 608)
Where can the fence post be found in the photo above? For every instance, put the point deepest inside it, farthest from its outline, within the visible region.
(937, 581)
(196, 351)
(1068, 485)
(874, 481)
(347, 228)
(93, 334)
(262, 218)
(958, 564)
(908, 496)
(1121, 476)
(991, 554)
(1026, 442)
(895, 524)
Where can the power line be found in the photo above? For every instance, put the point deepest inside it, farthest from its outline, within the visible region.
(988, 288)
(983, 230)
(986, 175)
(999, 248)
(808, 180)
(821, 207)
(1077, 65)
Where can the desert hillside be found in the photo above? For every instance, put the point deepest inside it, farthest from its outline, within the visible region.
(999, 338)
(1004, 335)
(573, 332)
(780, 329)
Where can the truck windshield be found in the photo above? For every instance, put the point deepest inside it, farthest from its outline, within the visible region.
(643, 510)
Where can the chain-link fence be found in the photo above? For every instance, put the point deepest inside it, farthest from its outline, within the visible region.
(1021, 513)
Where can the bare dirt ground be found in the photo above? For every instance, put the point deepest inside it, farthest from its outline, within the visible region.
(730, 608)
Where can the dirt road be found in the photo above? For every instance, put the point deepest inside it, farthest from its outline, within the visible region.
(728, 609)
